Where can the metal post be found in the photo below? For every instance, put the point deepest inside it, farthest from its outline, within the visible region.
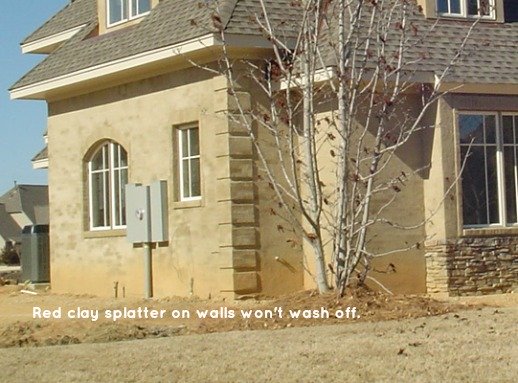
(148, 271)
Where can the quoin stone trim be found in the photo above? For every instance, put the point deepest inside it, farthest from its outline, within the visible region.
(238, 226)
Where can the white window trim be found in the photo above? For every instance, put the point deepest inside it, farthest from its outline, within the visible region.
(114, 168)
(502, 202)
(130, 15)
(181, 158)
(111, 175)
(464, 11)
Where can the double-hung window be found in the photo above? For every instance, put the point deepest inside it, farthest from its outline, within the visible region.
(189, 163)
(107, 177)
(466, 8)
(124, 10)
(489, 154)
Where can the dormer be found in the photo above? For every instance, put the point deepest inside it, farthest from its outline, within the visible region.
(486, 10)
(117, 14)
(61, 27)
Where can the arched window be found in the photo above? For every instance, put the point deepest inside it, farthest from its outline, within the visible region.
(107, 176)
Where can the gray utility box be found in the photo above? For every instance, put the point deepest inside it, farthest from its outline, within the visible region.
(146, 212)
(35, 257)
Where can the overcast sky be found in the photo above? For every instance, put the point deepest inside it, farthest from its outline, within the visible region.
(22, 122)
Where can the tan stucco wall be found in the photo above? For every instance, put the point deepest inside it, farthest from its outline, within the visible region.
(406, 210)
(225, 243)
(141, 117)
(282, 266)
(230, 242)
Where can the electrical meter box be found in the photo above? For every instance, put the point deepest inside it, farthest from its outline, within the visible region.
(138, 223)
(159, 212)
(146, 212)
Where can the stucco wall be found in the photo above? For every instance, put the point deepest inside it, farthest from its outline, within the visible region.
(232, 242)
(223, 245)
(141, 117)
(403, 270)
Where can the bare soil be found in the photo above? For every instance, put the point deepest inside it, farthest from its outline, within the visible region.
(19, 329)
(395, 339)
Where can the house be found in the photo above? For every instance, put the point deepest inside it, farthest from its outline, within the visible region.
(21, 206)
(129, 101)
(10, 232)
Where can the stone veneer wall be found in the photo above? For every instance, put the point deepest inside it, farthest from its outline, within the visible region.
(472, 266)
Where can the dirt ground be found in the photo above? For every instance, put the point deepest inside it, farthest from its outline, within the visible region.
(18, 328)
(394, 339)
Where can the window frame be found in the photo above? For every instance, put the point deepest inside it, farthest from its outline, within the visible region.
(189, 157)
(109, 194)
(129, 16)
(464, 10)
(500, 170)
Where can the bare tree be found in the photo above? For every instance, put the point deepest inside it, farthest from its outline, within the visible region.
(336, 91)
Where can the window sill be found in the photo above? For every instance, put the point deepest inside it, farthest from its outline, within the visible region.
(128, 20)
(104, 233)
(464, 17)
(488, 232)
(188, 204)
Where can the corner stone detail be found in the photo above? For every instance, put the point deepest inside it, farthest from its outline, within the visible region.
(238, 234)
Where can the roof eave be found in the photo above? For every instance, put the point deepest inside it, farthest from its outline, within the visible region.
(42, 89)
(496, 88)
(39, 90)
(40, 164)
(49, 44)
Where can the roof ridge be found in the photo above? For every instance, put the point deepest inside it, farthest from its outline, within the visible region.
(227, 11)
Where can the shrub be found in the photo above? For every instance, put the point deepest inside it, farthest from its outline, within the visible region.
(9, 256)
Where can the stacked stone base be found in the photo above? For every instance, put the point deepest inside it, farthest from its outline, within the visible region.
(472, 266)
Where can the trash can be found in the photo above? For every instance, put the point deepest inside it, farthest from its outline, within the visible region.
(35, 257)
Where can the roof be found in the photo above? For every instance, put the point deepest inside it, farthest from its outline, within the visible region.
(9, 229)
(33, 200)
(43, 154)
(170, 22)
(492, 55)
(74, 14)
(489, 56)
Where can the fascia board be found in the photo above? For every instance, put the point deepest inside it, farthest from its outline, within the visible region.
(37, 89)
(42, 45)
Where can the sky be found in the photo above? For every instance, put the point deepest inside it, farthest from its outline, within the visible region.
(22, 122)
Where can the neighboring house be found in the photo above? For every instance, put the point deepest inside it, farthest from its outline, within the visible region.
(41, 159)
(10, 232)
(21, 206)
(126, 104)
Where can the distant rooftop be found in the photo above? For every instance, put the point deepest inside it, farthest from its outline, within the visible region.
(33, 200)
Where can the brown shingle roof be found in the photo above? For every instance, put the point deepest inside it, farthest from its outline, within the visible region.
(170, 22)
(489, 55)
(492, 54)
(72, 15)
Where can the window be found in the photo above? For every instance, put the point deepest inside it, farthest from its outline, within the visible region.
(489, 149)
(189, 163)
(107, 176)
(466, 8)
(124, 10)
